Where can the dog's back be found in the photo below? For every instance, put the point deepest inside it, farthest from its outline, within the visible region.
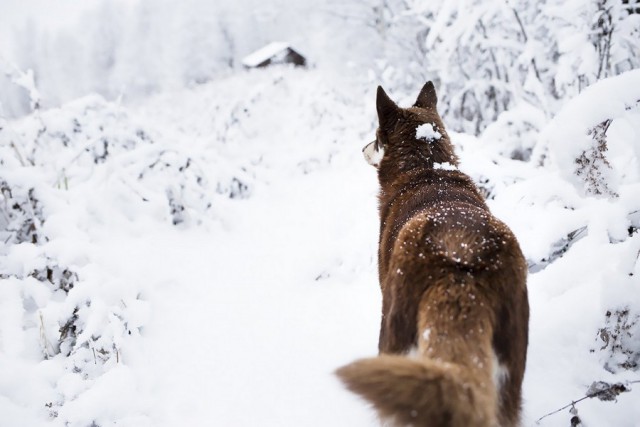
(453, 337)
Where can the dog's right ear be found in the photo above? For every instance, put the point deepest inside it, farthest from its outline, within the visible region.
(427, 97)
(388, 111)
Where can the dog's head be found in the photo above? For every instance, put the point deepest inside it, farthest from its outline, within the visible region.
(409, 137)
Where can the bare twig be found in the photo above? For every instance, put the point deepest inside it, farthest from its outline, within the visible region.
(592, 161)
(493, 56)
(607, 393)
(18, 155)
(526, 39)
(44, 342)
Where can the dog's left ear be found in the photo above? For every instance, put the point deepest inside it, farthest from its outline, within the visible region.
(427, 97)
(388, 111)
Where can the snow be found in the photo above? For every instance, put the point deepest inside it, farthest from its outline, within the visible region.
(428, 132)
(426, 334)
(205, 301)
(206, 253)
(445, 166)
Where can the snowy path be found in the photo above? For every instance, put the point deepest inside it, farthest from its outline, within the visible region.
(241, 331)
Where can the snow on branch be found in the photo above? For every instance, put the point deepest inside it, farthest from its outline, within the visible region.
(576, 139)
(24, 79)
(593, 161)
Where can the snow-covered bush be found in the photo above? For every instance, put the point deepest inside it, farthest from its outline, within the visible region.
(70, 175)
(617, 340)
(592, 140)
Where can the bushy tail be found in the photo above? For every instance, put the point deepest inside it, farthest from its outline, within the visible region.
(419, 392)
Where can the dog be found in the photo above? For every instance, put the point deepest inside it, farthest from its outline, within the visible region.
(455, 311)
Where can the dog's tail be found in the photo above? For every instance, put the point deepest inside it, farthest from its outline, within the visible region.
(420, 392)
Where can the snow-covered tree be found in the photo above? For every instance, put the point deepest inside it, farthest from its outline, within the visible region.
(489, 56)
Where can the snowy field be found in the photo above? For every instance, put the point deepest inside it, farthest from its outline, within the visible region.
(207, 255)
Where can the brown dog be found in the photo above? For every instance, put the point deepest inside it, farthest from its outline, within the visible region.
(455, 313)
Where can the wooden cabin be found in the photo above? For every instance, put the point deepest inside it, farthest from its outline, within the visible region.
(274, 53)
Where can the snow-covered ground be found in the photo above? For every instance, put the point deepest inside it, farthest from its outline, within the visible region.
(235, 315)
(207, 256)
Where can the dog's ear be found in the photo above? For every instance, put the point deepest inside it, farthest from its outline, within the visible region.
(388, 111)
(427, 97)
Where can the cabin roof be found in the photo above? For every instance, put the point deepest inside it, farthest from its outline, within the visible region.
(267, 52)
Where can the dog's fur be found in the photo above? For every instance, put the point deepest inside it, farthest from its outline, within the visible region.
(455, 313)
